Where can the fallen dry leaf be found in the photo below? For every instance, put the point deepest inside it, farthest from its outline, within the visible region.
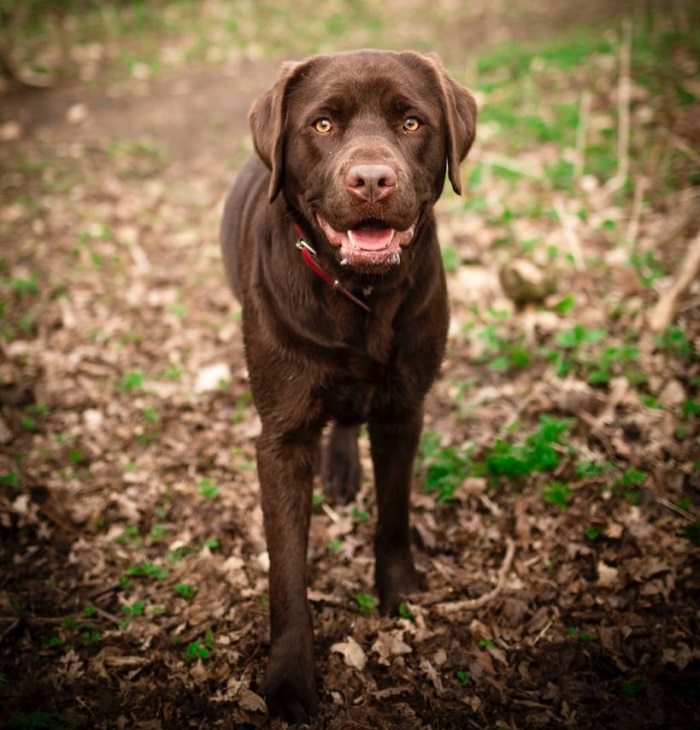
(353, 654)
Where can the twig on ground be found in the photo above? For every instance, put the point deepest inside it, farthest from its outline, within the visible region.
(665, 310)
(142, 264)
(674, 508)
(332, 515)
(680, 144)
(641, 185)
(9, 629)
(9, 69)
(618, 390)
(571, 236)
(686, 207)
(320, 597)
(492, 507)
(545, 629)
(472, 604)
(584, 114)
(109, 616)
(623, 111)
(689, 304)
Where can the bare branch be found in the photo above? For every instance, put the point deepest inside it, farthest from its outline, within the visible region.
(665, 310)
(474, 603)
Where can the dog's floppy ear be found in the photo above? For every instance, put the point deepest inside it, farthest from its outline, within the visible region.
(267, 121)
(461, 124)
(460, 115)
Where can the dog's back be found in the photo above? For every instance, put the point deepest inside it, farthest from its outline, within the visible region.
(246, 197)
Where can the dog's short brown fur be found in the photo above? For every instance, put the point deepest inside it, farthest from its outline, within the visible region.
(352, 151)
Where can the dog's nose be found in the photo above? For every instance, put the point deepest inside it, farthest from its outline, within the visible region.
(371, 182)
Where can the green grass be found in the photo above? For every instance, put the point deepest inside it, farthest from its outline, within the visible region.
(558, 494)
(152, 37)
(150, 414)
(365, 602)
(131, 381)
(196, 650)
(532, 100)
(586, 352)
(500, 349)
(200, 649)
(514, 62)
(148, 570)
(131, 534)
(541, 451)
(446, 468)
(137, 608)
(464, 677)
(76, 632)
(208, 488)
(593, 533)
(583, 636)
(692, 533)
(675, 343)
(591, 469)
(137, 158)
(22, 285)
(185, 590)
(629, 484)
(450, 259)
(10, 479)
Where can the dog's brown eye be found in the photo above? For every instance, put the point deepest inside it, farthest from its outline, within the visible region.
(323, 125)
(411, 124)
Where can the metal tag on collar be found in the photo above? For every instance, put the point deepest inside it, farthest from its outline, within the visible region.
(302, 245)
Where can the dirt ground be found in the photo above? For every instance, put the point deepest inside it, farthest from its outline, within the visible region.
(133, 583)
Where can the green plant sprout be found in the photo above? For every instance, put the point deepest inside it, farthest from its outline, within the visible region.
(366, 603)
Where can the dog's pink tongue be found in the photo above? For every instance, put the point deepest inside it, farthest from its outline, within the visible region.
(371, 236)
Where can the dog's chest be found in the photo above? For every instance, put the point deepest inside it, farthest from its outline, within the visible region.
(357, 376)
(372, 337)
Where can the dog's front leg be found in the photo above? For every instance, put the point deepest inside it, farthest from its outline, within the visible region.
(285, 469)
(394, 440)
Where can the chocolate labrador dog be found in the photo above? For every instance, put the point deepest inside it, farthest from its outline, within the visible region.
(329, 242)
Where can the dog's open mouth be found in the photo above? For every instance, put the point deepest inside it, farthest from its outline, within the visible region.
(371, 243)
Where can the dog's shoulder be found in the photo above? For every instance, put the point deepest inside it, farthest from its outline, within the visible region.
(238, 226)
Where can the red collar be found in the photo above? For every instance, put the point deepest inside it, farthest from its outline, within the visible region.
(308, 255)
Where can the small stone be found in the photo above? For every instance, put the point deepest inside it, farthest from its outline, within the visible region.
(673, 394)
(77, 114)
(10, 131)
(212, 378)
(523, 282)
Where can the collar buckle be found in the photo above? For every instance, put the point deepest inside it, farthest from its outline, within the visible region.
(307, 253)
(302, 245)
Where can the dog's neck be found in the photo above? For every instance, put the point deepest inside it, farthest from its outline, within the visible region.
(309, 256)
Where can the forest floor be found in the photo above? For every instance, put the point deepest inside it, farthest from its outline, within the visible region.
(557, 492)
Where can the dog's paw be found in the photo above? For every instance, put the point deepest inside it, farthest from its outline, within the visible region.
(290, 698)
(396, 579)
(342, 473)
(290, 686)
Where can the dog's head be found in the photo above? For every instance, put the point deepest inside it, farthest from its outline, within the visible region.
(359, 143)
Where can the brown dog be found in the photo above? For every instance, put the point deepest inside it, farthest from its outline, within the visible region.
(329, 242)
